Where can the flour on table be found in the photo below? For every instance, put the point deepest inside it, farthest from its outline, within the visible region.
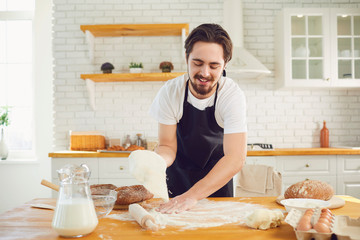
(149, 168)
(205, 214)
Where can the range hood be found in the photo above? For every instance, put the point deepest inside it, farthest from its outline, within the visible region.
(243, 62)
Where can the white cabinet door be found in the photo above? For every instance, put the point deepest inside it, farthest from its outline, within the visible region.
(349, 185)
(348, 181)
(318, 48)
(345, 47)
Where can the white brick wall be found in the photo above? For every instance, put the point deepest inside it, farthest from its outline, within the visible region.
(284, 118)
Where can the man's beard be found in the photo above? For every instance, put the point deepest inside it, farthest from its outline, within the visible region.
(199, 89)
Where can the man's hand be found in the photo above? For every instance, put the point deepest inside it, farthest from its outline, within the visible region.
(178, 204)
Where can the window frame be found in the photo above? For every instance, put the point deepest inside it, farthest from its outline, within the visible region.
(24, 15)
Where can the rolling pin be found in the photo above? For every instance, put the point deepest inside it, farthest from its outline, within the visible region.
(142, 217)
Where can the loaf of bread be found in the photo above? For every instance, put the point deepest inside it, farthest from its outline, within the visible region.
(132, 194)
(101, 189)
(310, 189)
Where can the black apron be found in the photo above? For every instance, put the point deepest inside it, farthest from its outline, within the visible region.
(199, 148)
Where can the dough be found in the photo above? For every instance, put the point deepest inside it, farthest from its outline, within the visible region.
(149, 168)
(264, 219)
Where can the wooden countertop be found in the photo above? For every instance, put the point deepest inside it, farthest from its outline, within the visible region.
(275, 152)
(25, 222)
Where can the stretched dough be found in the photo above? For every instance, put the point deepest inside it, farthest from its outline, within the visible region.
(149, 168)
(264, 219)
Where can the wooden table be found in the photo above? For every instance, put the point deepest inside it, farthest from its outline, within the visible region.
(26, 222)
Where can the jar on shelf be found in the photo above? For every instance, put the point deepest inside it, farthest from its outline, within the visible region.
(127, 142)
(139, 141)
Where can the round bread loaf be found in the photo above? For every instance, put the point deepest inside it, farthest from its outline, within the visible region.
(132, 194)
(310, 189)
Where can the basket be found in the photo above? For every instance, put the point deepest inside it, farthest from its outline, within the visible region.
(86, 141)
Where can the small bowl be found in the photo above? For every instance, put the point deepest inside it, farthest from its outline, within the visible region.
(303, 204)
(104, 203)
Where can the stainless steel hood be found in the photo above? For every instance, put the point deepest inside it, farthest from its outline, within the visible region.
(243, 62)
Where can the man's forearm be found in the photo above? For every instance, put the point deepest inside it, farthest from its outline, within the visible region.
(167, 153)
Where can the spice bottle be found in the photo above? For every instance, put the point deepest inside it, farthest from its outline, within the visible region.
(324, 137)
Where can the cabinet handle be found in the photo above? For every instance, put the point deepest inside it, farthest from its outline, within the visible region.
(307, 165)
(121, 168)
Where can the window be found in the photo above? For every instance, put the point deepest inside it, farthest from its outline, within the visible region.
(16, 73)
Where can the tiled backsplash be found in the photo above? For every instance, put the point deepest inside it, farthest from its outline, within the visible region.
(285, 118)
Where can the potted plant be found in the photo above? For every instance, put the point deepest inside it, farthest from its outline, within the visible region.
(166, 66)
(136, 67)
(4, 122)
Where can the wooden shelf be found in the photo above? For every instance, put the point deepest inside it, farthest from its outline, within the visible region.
(119, 30)
(131, 77)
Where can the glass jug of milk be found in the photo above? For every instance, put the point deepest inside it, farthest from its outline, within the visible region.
(75, 214)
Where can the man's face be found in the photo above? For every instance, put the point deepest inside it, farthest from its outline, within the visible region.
(205, 67)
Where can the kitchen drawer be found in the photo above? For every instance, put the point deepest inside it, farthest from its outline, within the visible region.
(288, 181)
(348, 164)
(58, 163)
(119, 182)
(114, 168)
(307, 165)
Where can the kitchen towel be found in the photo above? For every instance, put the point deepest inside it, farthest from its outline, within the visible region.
(258, 181)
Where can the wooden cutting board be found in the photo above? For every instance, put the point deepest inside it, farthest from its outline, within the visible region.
(335, 202)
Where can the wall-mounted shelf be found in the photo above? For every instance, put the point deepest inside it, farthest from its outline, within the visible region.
(123, 77)
(122, 30)
(126, 30)
(131, 77)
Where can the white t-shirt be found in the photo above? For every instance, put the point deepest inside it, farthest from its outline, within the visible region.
(230, 109)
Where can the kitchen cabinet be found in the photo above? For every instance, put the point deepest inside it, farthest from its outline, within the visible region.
(59, 163)
(115, 171)
(348, 175)
(338, 167)
(318, 48)
(103, 170)
(299, 168)
(124, 30)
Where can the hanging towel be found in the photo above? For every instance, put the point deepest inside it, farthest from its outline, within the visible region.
(258, 181)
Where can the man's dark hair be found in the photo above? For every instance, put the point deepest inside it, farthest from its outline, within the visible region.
(212, 33)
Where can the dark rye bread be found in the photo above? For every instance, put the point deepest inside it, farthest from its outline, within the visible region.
(310, 189)
(132, 194)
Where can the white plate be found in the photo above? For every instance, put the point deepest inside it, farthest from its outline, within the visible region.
(303, 203)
